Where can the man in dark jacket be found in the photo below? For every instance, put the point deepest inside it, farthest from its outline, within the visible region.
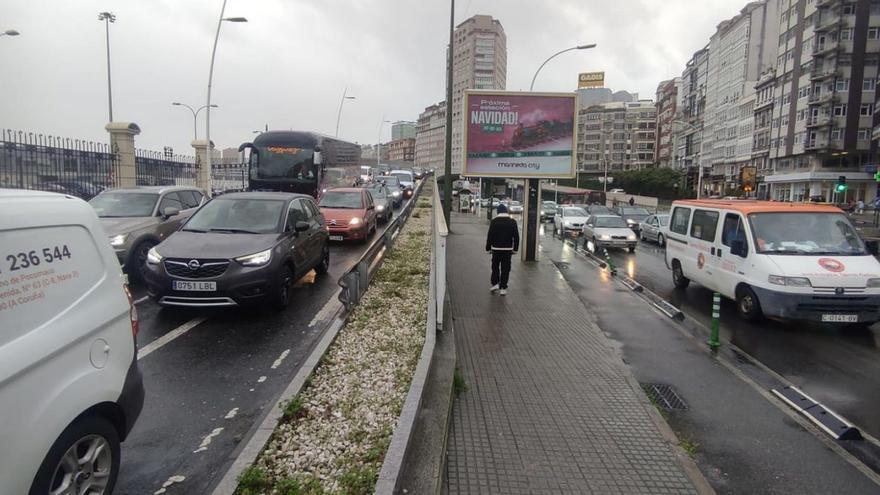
(503, 241)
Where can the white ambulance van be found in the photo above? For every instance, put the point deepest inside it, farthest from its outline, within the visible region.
(795, 261)
(70, 387)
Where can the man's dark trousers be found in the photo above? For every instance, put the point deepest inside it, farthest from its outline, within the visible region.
(501, 267)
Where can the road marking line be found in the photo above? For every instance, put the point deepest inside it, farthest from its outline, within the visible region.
(138, 301)
(207, 440)
(261, 379)
(168, 337)
(231, 414)
(278, 361)
(325, 312)
(172, 480)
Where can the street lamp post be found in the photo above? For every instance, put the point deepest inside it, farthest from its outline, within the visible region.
(379, 144)
(210, 80)
(108, 17)
(579, 47)
(10, 32)
(339, 114)
(195, 115)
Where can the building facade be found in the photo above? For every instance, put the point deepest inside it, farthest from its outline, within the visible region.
(617, 137)
(403, 129)
(688, 134)
(667, 110)
(824, 99)
(430, 143)
(402, 150)
(479, 62)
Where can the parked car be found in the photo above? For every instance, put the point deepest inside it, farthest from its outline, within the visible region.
(514, 207)
(795, 261)
(75, 187)
(350, 213)
(632, 215)
(608, 231)
(569, 220)
(654, 228)
(394, 187)
(548, 209)
(382, 199)
(407, 181)
(240, 248)
(71, 387)
(138, 218)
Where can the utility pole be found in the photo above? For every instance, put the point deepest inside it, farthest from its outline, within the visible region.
(447, 169)
(108, 17)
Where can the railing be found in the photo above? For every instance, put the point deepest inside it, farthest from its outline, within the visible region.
(439, 232)
(356, 281)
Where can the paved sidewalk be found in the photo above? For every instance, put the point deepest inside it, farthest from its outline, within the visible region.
(549, 405)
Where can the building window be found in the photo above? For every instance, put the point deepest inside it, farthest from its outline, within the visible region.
(869, 84)
(839, 111)
(873, 33)
(863, 134)
(836, 134)
(866, 110)
(849, 9)
(841, 84)
(846, 34)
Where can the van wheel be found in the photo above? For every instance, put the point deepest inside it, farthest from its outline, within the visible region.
(747, 304)
(660, 240)
(84, 459)
(678, 278)
(137, 260)
(324, 265)
(282, 297)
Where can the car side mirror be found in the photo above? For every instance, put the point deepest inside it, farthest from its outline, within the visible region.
(169, 212)
(738, 248)
(301, 226)
(873, 247)
(371, 207)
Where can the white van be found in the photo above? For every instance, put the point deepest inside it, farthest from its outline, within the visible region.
(70, 387)
(784, 260)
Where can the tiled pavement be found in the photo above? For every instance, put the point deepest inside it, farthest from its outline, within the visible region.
(549, 407)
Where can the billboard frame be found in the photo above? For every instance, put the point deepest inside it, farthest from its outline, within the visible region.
(464, 122)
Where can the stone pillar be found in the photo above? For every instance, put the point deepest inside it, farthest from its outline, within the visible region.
(122, 143)
(203, 179)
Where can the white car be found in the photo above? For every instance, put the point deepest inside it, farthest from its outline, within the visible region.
(569, 220)
(514, 207)
(406, 178)
(608, 231)
(70, 386)
(655, 228)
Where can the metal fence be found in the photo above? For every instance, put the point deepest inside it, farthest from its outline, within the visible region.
(227, 177)
(164, 168)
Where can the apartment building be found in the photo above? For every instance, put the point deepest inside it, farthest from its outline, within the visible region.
(617, 137)
(764, 104)
(430, 143)
(403, 129)
(479, 62)
(688, 134)
(402, 150)
(824, 100)
(667, 108)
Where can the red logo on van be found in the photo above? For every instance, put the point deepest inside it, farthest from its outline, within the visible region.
(832, 265)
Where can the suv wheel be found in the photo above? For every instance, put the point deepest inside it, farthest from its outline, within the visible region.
(136, 266)
(324, 265)
(84, 459)
(282, 296)
(678, 278)
(747, 304)
(660, 240)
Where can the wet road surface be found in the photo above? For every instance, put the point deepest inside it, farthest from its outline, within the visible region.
(210, 374)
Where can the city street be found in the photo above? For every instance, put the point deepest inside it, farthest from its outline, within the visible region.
(209, 375)
(840, 367)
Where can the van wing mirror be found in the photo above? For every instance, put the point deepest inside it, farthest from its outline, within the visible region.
(738, 248)
(873, 247)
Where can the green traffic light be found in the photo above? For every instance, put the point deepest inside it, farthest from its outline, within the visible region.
(841, 188)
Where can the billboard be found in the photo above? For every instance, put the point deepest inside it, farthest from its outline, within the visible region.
(519, 135)
(591, 80)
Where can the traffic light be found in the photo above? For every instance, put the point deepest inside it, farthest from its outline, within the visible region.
(841, 184)
(877, 176)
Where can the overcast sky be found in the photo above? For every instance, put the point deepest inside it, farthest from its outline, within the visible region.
(288, 66)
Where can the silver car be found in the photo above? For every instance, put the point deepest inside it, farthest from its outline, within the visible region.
(654, 229)
(608, 231)
(569, 220)
(137, 218)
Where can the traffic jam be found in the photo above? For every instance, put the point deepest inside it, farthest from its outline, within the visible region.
(167, 319)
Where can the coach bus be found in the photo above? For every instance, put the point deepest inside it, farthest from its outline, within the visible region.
(296, 161)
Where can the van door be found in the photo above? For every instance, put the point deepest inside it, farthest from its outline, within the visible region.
(704, 230)
(677, 245)
(733, 267)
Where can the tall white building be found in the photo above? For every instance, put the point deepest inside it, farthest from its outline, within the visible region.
(479, 62)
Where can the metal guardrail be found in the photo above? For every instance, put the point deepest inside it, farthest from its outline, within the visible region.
(355, 282)
(439, 233)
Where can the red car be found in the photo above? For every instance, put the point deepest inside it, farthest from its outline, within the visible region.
(349, 213)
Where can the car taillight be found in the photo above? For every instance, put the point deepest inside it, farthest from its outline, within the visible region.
(132, 312)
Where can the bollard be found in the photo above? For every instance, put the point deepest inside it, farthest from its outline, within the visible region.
(611, 267)
(716, 322)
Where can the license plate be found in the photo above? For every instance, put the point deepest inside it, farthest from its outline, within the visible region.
(336, 237)
(187, 285)
(840, 318)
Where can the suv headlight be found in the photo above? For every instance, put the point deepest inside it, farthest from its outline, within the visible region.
(118, 240)
(630, 221)
(256, 259)
(355, 221)
(380, 207)
(396, 194)
(604, 237)
(873, 283)
(631, 237)
(153, 257)
(789, 281)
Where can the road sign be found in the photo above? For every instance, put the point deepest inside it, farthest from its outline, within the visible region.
(591, 80)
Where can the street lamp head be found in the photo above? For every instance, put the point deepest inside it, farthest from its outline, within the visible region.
(110, 16)
(584, 47)
(235, 19)
(11, 32)
(350, 98)
(177, 103)
(212, 105)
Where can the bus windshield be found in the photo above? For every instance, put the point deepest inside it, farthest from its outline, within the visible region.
(807, 234)
(289, 163)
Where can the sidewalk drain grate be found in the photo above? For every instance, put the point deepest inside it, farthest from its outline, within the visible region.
(664, 397)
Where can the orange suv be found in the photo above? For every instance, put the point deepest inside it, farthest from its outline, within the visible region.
(349, 213)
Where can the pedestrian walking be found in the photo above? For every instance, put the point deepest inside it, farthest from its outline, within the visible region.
(860, 207)
(502, 241)
(632, 201)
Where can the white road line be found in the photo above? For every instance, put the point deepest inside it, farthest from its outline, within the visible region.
(138, 301)
(278, 361)
(328, 309)
(172, 480)
(207, 440)
(168, 337)
(261, 379)
(231, 414)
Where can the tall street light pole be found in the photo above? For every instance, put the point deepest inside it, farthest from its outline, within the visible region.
(108, 17)
(447, 165)
(10, 32)
(551, 57)
(379, 144)
(210, 80)
(341, 102)
(195, 114)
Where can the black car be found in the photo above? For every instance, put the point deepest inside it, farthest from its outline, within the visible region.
(240, 248)
(633, 215)
(383, 200)
(394, 187)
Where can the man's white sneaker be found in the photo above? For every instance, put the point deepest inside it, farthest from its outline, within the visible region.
(503, 292)
(494, 288)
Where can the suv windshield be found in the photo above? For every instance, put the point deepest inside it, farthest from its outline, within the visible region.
(805, 234)
(610, 222)
(402, 177)
(340, 199)
(253, 216)
(390, 181)
(573, 212)
(124, 204)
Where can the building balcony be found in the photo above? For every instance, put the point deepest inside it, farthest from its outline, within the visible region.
(825, 48)
(827, 21)
(819, 121)
(825, 3)
(816, 144)
(818, 74)
(763, 104)
(823, 98)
